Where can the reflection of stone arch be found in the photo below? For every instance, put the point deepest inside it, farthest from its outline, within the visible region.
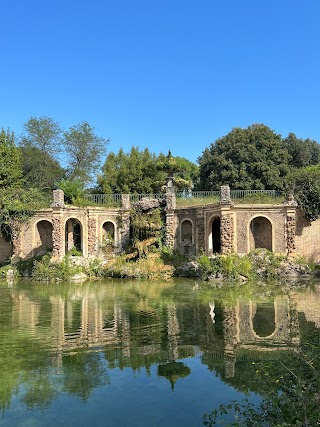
(260, 233)
(42, 237)
(214, 238)
(264, 320)
(6, 246)
(108, 232)
(73, 234)
(186, 232)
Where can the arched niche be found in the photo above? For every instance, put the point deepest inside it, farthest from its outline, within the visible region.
(73, 235)
(186, 232)
(108, 232)
(43, 238)
(264, 320)
(260, 235)
(6, 246)
(214, 243)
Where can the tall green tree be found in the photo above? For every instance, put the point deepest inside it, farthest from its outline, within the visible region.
(40, 169)
(42, 133)
(303, 152)
(251, 158)
(10, 164)
(84, 149)
(133, 172)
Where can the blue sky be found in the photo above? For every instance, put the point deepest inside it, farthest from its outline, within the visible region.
(169, 74)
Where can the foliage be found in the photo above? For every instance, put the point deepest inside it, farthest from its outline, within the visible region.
(144, 172)
(42, 133)
(10, 165)
(251, 158)
(45, 270)
(303, 152)
(40, 169)
(305, 184)
(73, 190)
(84, 149)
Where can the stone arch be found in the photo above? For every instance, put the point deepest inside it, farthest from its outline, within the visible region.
(42, 237)
(6, 246)
(73, 235)
(109, 232)
(186, 232)
(214, 238)
(260, 233)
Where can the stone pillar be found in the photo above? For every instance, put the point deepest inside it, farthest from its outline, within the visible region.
(92, 237)
(291, 206)
(125, 201)
(170, 218)
(125, 230)
(200, 231)
(225, 197)
(16, 228)
(227, 230)
(58, 199)
(58, 234)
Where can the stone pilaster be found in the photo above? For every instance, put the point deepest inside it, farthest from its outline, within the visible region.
(92, 237)
(225, 197)
(57, 238)
(291, 206)
(200, 231)
(227, 230)
(170, 229)
(16, 228)
(125, 230)
(170, 200)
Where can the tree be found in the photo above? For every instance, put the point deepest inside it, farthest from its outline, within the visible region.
(42, 133)
(251, 158)
(303, 152)
(40, 169)
(10, 165)
(133, 172)
(304, 183)
(84, 149)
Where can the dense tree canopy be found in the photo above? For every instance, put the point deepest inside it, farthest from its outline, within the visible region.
(10, 164)
(143, 172)
(251, 158)
(303, 152)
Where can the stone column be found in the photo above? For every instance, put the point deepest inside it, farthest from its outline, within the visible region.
(226, 221)
(92, 237)
(230, 339)
(291, 206)
(58, 199)
(200, 231)
(125, 230)
(58, 234)
(170, 218)
(16, 229)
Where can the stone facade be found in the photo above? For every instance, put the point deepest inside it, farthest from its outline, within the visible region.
(217, 227)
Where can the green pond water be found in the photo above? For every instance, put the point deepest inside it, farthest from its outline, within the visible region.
(121, 353)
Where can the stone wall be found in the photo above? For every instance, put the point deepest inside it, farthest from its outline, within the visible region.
(307, 239)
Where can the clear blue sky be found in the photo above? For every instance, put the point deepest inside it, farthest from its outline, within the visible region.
(163, 74)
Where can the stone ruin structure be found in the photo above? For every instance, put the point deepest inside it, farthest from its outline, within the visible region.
(221, 227)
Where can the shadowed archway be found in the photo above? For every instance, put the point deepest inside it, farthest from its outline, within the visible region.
(260, 233)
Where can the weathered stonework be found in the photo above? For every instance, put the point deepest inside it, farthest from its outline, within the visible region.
(125, 230)
(92, 237)
(125, 201)
(16, 237)
(200, 230)
(58, 199)
(170, 229)
(57, 238)
(170, 201)
(225, 197)
(291, 235)
(227, 234)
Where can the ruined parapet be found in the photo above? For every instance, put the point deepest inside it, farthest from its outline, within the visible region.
(58, 199)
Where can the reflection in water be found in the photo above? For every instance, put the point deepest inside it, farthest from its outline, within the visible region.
(66, 339)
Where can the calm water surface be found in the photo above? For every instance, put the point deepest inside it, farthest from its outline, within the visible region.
(119, 353)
